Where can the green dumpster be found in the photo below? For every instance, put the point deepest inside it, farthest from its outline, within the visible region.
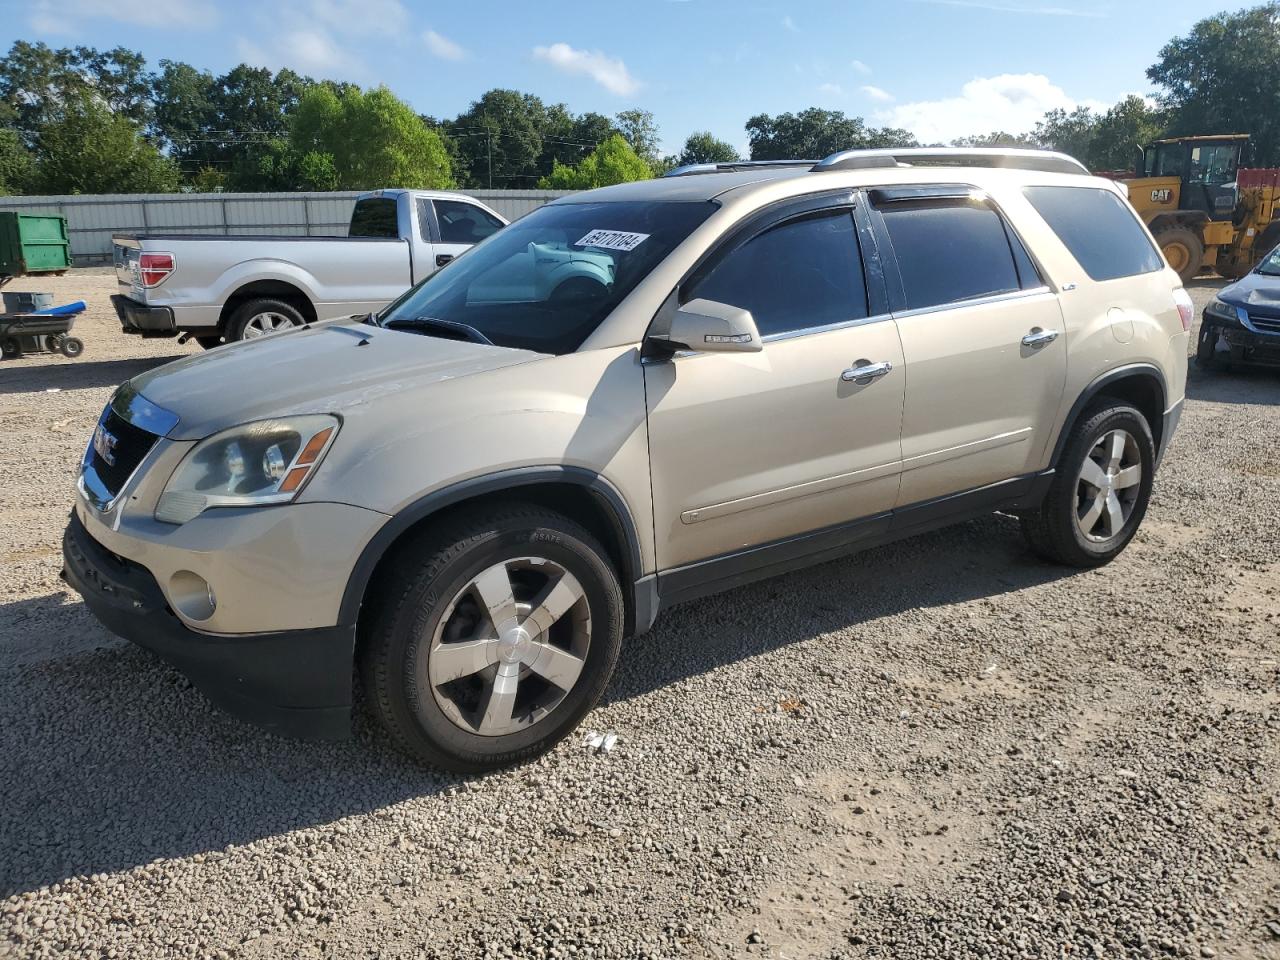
(33, 244)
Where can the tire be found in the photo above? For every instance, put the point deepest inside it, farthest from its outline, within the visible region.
(256, 318)
(1184, 249)
(10, 348)
(1056, 529)
(208, 343)
(431, 600)
(70, 347)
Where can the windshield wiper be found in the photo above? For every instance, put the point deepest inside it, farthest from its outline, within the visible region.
(451, 329)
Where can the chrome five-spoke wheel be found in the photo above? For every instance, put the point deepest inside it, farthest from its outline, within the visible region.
(510, 647)
(261, 324)
(1108, 486)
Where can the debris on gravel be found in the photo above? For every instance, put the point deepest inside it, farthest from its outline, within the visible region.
(940, 748)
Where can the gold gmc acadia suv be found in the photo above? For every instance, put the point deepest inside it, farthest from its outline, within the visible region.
(468, 499)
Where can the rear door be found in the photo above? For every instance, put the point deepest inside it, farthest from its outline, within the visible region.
(982, 338)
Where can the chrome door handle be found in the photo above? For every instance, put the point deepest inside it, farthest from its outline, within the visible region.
(865, 371)
(1038, 338)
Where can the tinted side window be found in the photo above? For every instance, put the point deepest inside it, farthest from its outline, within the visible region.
(1099, 229)
(950, 251)
(374, 217)
(464, 222)
(801, 274)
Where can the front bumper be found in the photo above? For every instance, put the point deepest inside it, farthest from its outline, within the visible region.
(294, 682)
(139, 318)
(1238, 344)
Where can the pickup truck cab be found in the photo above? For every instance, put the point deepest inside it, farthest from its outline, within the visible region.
(219, 289)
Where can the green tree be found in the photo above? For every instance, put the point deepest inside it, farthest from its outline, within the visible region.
(815, 133)
(702, 147)
(500, 140)
(36, 82)
(997, 138)
(1222, 78)
(85, 147)
(640, 130)
(614, 161)
(17, 165)
(1122, 132)
(348, 139)
(1070, 133)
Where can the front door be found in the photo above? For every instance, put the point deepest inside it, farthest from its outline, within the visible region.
(747, 449)
(983, 340)
(461, 226)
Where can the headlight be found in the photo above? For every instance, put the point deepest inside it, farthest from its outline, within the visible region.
(1221, 310)
(253, 464)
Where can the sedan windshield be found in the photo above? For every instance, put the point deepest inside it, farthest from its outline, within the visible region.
(547, 281)
(1270, 265)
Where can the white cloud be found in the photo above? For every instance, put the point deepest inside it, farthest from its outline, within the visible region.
(790, 24)
(609, 72)
(860, 67)
(1012, 6)
(1011, 102)
(363, 17)
(878, 94)
(443, 47)
(52, 16)
(307, 51)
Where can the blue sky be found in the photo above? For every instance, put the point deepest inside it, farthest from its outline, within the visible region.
(941, 68)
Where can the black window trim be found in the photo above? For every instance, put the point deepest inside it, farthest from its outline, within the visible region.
(427, 225)
(775, 215)
(941, 194)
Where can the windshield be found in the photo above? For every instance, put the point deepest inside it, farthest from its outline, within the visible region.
(547, 281)
(1270, 265)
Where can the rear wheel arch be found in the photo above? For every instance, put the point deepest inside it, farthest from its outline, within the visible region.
(267, 289)
(579, 494)
(1141, 385)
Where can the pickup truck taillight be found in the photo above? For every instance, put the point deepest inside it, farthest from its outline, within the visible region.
(154, 268)
(1186, 309)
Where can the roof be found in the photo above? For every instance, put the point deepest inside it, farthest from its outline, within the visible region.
(1219, 136)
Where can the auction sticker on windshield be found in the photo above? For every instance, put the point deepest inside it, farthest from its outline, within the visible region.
(612, 240)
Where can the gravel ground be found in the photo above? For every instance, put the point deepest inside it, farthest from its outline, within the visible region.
(942, 748)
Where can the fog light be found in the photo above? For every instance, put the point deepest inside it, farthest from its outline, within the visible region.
(192, 595)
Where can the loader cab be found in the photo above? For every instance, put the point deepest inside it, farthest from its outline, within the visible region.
(1205, 169)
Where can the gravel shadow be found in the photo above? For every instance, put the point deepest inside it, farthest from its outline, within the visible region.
(1256, 385)
(24, 376)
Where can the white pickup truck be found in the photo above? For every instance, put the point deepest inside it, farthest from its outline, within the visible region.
(218, 289)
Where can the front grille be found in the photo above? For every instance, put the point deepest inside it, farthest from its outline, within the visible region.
(1265, 324)
(131, 445)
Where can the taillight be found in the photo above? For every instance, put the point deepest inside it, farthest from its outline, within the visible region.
(1186, 309)
(154, 268)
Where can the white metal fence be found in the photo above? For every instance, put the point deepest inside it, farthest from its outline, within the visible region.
(91, 220)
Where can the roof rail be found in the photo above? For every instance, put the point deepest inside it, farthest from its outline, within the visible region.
(1046, 161)
(692, 169)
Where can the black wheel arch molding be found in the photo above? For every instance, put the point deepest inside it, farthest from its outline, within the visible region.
(638, 587)
(1146, 377)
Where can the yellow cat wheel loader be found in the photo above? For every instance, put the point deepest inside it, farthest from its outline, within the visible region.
(1205, 210)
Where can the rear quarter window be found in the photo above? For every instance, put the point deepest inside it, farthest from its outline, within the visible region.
(1099, 229)
(375, 217)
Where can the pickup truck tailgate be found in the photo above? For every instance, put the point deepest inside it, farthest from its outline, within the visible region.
(124, 254)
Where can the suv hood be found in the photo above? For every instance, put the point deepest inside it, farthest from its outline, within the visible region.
(326, 368)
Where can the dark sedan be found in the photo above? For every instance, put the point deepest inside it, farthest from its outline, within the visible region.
(1242, 323)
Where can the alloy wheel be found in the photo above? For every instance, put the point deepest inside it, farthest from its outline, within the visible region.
(509, 648)
(1108, 486)
(260, 324)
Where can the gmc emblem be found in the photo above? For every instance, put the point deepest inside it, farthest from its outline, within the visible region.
(104, 445)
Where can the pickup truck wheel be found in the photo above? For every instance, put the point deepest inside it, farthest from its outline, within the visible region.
(493, 636)
(1100, 490)
(257, 318)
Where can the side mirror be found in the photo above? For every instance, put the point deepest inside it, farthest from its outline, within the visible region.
(708, 326)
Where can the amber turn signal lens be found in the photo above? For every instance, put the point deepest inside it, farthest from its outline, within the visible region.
(312, 449)
(294, 479)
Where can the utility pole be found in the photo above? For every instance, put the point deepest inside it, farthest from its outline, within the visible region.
(489, 138)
